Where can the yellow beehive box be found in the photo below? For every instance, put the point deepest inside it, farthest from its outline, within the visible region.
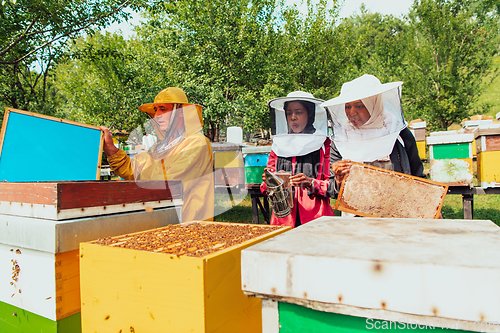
(184, 278)
(421, 146)
(488, 156)
(229, 167)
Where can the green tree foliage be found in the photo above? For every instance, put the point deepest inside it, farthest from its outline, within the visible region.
(100, 82)
(232, 56)
(32, 36)
(314, 53)
(379, 46)
(451, 50)
(220, 52)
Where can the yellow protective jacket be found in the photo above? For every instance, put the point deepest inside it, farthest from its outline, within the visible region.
(190, 161)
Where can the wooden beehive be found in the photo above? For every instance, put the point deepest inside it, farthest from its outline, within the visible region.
(376, 192)
(43, 251)
(228, 165)
(488, 156)
(183, 278)
(451, 157)
(66, 200)
(47, 291)
(255, 162)
(398, 270)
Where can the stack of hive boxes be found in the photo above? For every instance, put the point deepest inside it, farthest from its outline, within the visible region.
(418, 130)
(228, 165)
(41, 226)
(450, 154)
(488, 155)
(182, 278)
(255, 161)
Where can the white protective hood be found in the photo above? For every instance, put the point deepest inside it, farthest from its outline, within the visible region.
(366, 145)
(286, 144)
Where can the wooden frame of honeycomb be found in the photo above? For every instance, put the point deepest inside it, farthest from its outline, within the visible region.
(192, 239)
(375, 192)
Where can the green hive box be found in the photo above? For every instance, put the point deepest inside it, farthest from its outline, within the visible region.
(255, 162)
(450, 155)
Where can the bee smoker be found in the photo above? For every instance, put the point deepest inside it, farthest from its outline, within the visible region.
(279, 192)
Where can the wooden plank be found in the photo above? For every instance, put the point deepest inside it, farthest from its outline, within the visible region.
(65, 200)
(48, 148)
(453, 172)
(399, 320)
(123, 289)
(99, 156)
(468, 206)
(270, 316)
(67, 281)
(62, 236)
(43, 193)
(222, 288)
(376, 192)
(66, 195)
(419, 134)
(59, 120)
(384, 265)
(421, 150)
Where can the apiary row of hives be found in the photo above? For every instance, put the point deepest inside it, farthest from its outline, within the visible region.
(451, 153)
(41, 226)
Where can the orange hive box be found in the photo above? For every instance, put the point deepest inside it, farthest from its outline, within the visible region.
(376, 192)
(179, 278)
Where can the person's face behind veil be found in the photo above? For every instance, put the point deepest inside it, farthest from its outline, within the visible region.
(300, 117)
(357, 113)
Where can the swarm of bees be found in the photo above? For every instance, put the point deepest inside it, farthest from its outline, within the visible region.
(15, 271)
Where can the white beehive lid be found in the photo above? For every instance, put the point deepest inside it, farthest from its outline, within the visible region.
(474, 123)
(420, 124)
(433, 268)
(451, 137)
(256, 149)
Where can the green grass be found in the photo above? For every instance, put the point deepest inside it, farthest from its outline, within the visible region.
(241, 213)
(486, 207)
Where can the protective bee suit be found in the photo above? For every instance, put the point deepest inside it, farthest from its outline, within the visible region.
(383, 140)
(306, 151)
(182, 152)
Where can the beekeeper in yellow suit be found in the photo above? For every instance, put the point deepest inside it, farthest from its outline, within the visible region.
(181, 152)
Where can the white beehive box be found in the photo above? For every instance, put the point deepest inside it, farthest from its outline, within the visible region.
(383, 268)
